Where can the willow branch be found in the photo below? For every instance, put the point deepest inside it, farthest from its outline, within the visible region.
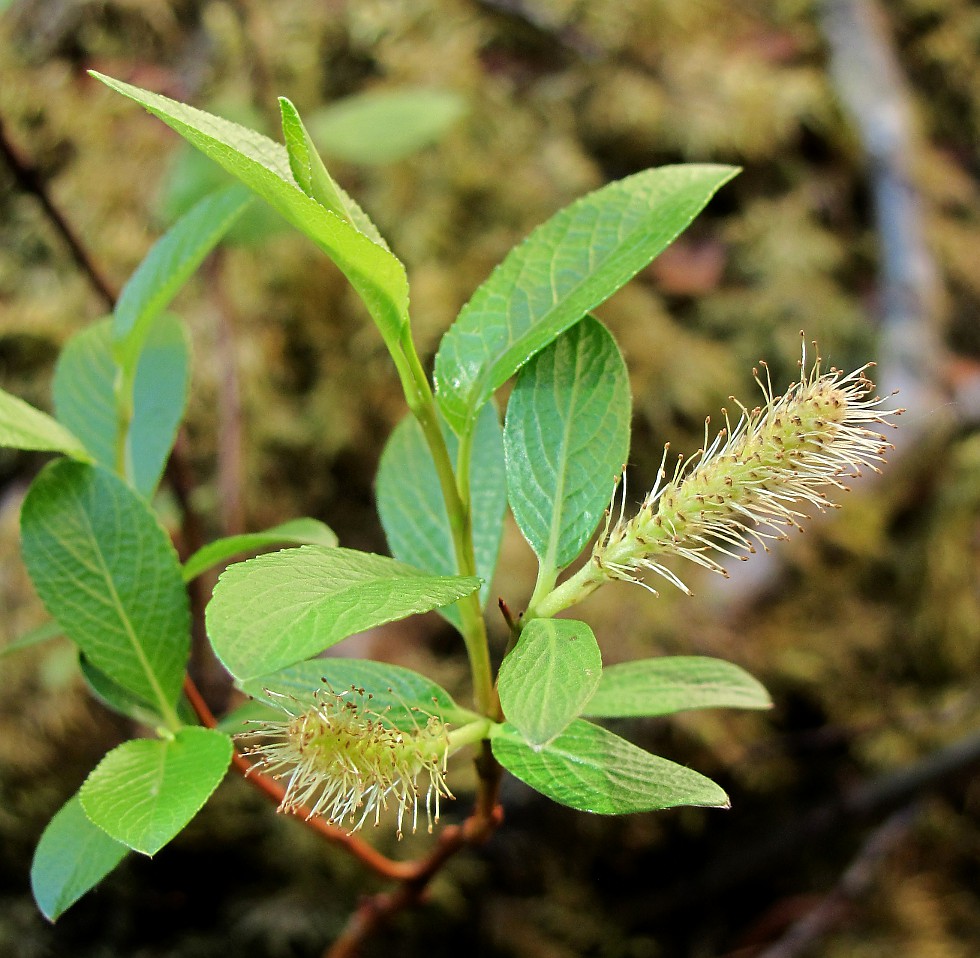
(30, 181)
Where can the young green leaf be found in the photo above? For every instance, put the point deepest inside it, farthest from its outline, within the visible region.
(277, 609)
(71, 858)
(673, 684)
(108, 574)
(145, 791)
(565, 268)
(413, 513)
(313, 178)
(169, 264)
(402, 697)
(308, 170)
(385, 125)
(548, 678)
(263, 166)
(566, 439)
(593, 770)
(85, 398)
(293, 532)
(24, 427)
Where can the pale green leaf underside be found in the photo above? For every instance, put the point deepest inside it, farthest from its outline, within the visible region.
(412, 509)
(593, 770)
(72, 857)
(673, 684)
(145, 791)
(107, 572)
(566, 439)
(549, 677)
(169, 264)
(385, 125)
(263, 166)
(24, 427)
(566, 267)
(293, 532)
(85, 399)
(275, 610)
(403, 697)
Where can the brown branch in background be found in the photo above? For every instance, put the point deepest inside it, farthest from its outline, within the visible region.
(29, 180)
(856, 881)
(763, 852)
(872, 88)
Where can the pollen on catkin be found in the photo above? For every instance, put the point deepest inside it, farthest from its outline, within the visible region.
(345, 762)
(745, 486)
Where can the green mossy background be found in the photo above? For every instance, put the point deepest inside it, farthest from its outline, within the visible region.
(868, 630)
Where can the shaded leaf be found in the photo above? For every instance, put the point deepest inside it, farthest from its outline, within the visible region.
(293, 532)
(85, 397)
(403, 697)
(171, 261)
(42, 633)
(385, 125)
(71, 858)
(412, 509)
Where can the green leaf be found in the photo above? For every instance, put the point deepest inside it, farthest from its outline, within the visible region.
(24, 427)
(565, 268)
(109, 575)
(593, 770)
(171, 261)
(263, 166)
(412, 509)
(387, 125)
(145, 791)
(71, 858)
(85, 397)
(673, 684)
(403, 697)
(293, 532)
(549, 677)
(566, 440)
(42, 633)
(278, 609)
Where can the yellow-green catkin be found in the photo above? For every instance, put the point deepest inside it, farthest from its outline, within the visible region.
(746, 486)
(345, 762)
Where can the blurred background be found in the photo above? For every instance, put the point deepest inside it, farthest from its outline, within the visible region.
(460, 125)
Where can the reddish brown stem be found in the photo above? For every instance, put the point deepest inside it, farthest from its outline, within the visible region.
(380, 864)
(378, 909)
